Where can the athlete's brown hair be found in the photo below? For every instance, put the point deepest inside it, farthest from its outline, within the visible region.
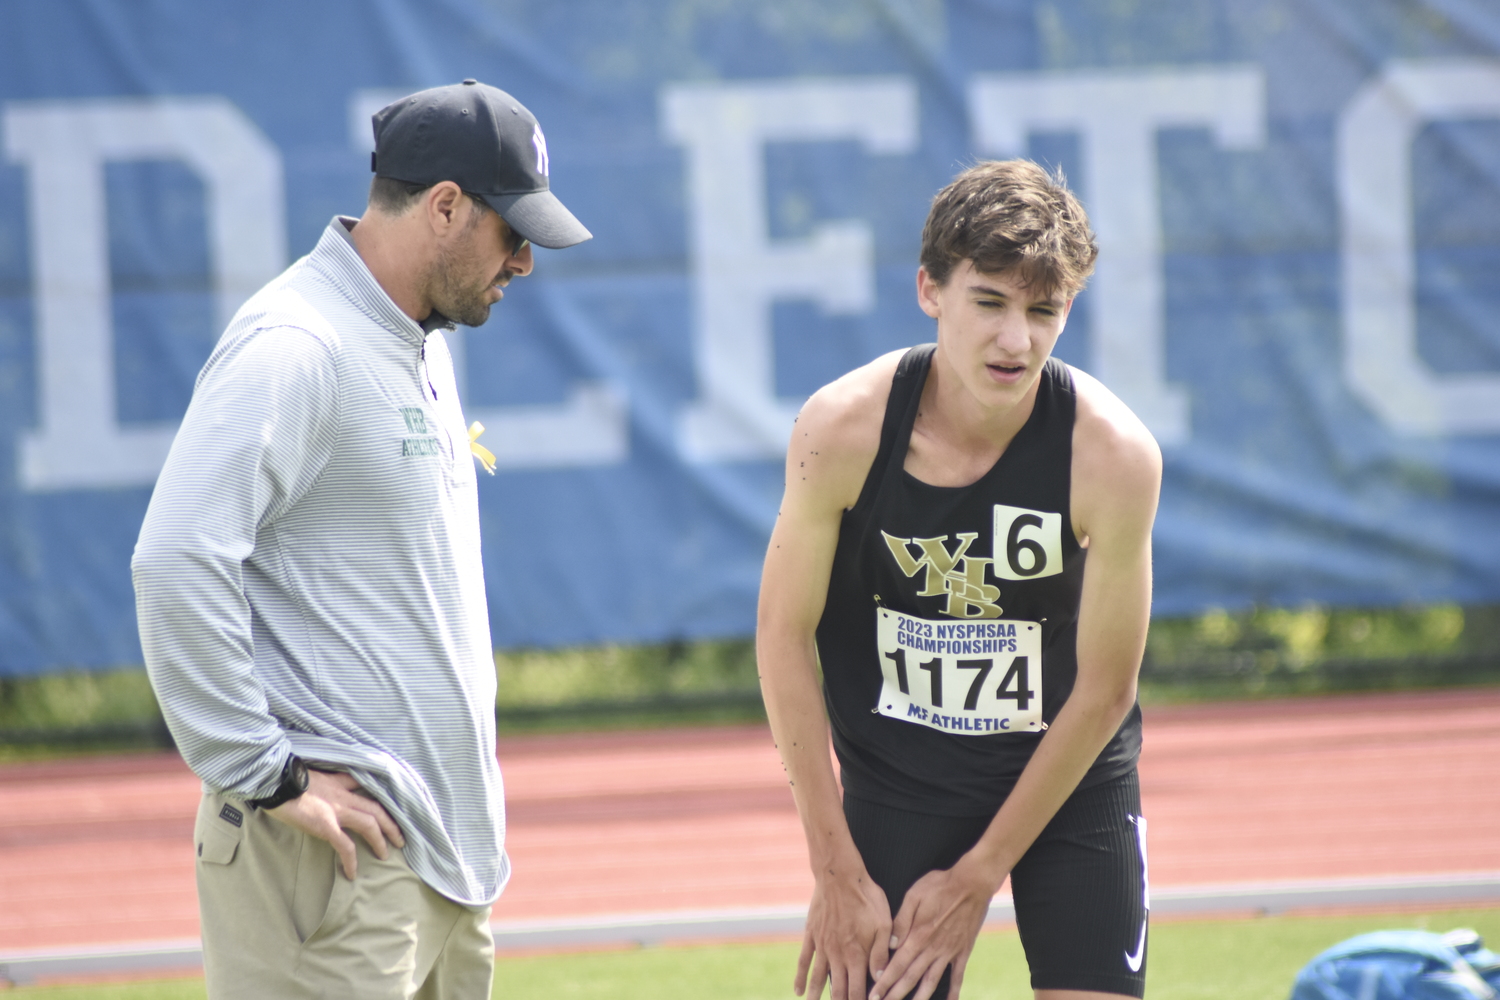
(1011, 215)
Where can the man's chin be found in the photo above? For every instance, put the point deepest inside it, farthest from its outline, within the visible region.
(472, 314)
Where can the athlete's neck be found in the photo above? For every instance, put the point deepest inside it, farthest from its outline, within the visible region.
(957, 437)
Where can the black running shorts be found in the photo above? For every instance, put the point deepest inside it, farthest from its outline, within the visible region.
(1080, 891)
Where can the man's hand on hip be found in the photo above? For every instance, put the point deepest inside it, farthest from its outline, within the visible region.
(332, 804)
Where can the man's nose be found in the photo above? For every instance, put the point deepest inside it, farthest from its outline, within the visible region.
(520, 264)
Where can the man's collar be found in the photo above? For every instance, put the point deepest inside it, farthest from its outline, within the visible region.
(344, 225)
(437, 321)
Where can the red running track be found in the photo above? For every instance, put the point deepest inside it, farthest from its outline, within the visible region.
(97, 850)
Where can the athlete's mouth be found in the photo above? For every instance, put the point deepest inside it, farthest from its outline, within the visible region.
(1006, 369)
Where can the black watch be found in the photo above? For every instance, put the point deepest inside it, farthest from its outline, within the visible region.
(293, 784)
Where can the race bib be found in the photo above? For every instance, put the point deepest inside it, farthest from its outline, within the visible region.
(972, 677)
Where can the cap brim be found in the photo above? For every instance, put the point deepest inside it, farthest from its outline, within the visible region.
(540, 217)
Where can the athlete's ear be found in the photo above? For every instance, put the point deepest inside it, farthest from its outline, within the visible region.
(927, 294)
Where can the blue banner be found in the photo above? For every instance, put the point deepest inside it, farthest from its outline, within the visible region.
(1297, 203)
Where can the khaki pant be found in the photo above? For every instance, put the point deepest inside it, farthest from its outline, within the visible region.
(281, 922)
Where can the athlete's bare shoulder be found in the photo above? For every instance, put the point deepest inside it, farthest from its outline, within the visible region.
(838, 433)
(1116, 463)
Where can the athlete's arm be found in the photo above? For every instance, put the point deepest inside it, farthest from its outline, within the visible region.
(1116, 480)
(832, 448)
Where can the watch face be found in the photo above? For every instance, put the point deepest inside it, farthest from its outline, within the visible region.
(296, 776)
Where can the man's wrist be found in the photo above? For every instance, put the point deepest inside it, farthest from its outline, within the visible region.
(294, 780)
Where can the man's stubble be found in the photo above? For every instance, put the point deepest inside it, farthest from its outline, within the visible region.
(459, 290)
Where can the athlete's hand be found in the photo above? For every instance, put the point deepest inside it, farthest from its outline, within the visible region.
(332, 804)
(848, 930)
(937, 925)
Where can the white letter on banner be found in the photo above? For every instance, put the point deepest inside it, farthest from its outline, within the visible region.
(1117, 115)
(590, 428)
(1375, 135)
(64, 145)
(738, 272)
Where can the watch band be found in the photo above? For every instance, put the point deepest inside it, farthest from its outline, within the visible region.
(293, 783)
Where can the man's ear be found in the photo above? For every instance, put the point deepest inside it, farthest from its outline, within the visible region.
(445, 203)
(927, 293)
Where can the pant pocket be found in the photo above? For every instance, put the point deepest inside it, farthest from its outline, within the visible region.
(336, 912)
(218, 829)
(316, 878)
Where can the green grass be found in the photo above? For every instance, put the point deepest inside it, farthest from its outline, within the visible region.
(1308, 635)
(531, 678)
(1278, 652)
(1273, 651)
(1246, 959)
(146, 989)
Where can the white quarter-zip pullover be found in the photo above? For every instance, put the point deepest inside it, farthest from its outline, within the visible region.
(308, 577)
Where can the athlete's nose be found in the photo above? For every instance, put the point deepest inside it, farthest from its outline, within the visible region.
(1013, 333)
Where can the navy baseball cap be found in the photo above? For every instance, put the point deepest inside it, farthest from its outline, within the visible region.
(487, 143)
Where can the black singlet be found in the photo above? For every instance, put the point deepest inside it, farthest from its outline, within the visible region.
(940, 603)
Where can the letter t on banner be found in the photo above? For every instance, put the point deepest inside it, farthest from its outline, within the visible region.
(738, 272)
(1117, 115)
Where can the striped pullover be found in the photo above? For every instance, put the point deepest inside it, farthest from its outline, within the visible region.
(308, 578)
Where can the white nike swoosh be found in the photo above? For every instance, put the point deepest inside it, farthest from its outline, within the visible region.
(1134, 961)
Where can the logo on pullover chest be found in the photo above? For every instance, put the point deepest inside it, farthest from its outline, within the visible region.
(416, 423)
(1027, 544)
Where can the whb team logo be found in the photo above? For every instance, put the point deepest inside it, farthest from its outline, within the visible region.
(416, 423)
(973, 678)
(1027, 544)
(955, 573)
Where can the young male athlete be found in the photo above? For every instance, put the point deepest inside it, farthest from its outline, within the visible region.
(978, 671)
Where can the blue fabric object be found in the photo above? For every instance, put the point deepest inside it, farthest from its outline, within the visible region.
(1298, 203)
(1402, 965)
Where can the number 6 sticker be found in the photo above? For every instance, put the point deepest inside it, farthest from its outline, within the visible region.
(1028, 543)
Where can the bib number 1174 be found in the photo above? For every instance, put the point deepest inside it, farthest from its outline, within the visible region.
(970, 678)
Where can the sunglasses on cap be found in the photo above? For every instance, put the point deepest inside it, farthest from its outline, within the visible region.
(518, 243)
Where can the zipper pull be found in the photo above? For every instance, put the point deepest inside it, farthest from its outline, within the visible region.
(422, 358)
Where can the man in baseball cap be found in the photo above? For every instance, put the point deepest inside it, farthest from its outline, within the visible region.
(309, 588)
(487, 143)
